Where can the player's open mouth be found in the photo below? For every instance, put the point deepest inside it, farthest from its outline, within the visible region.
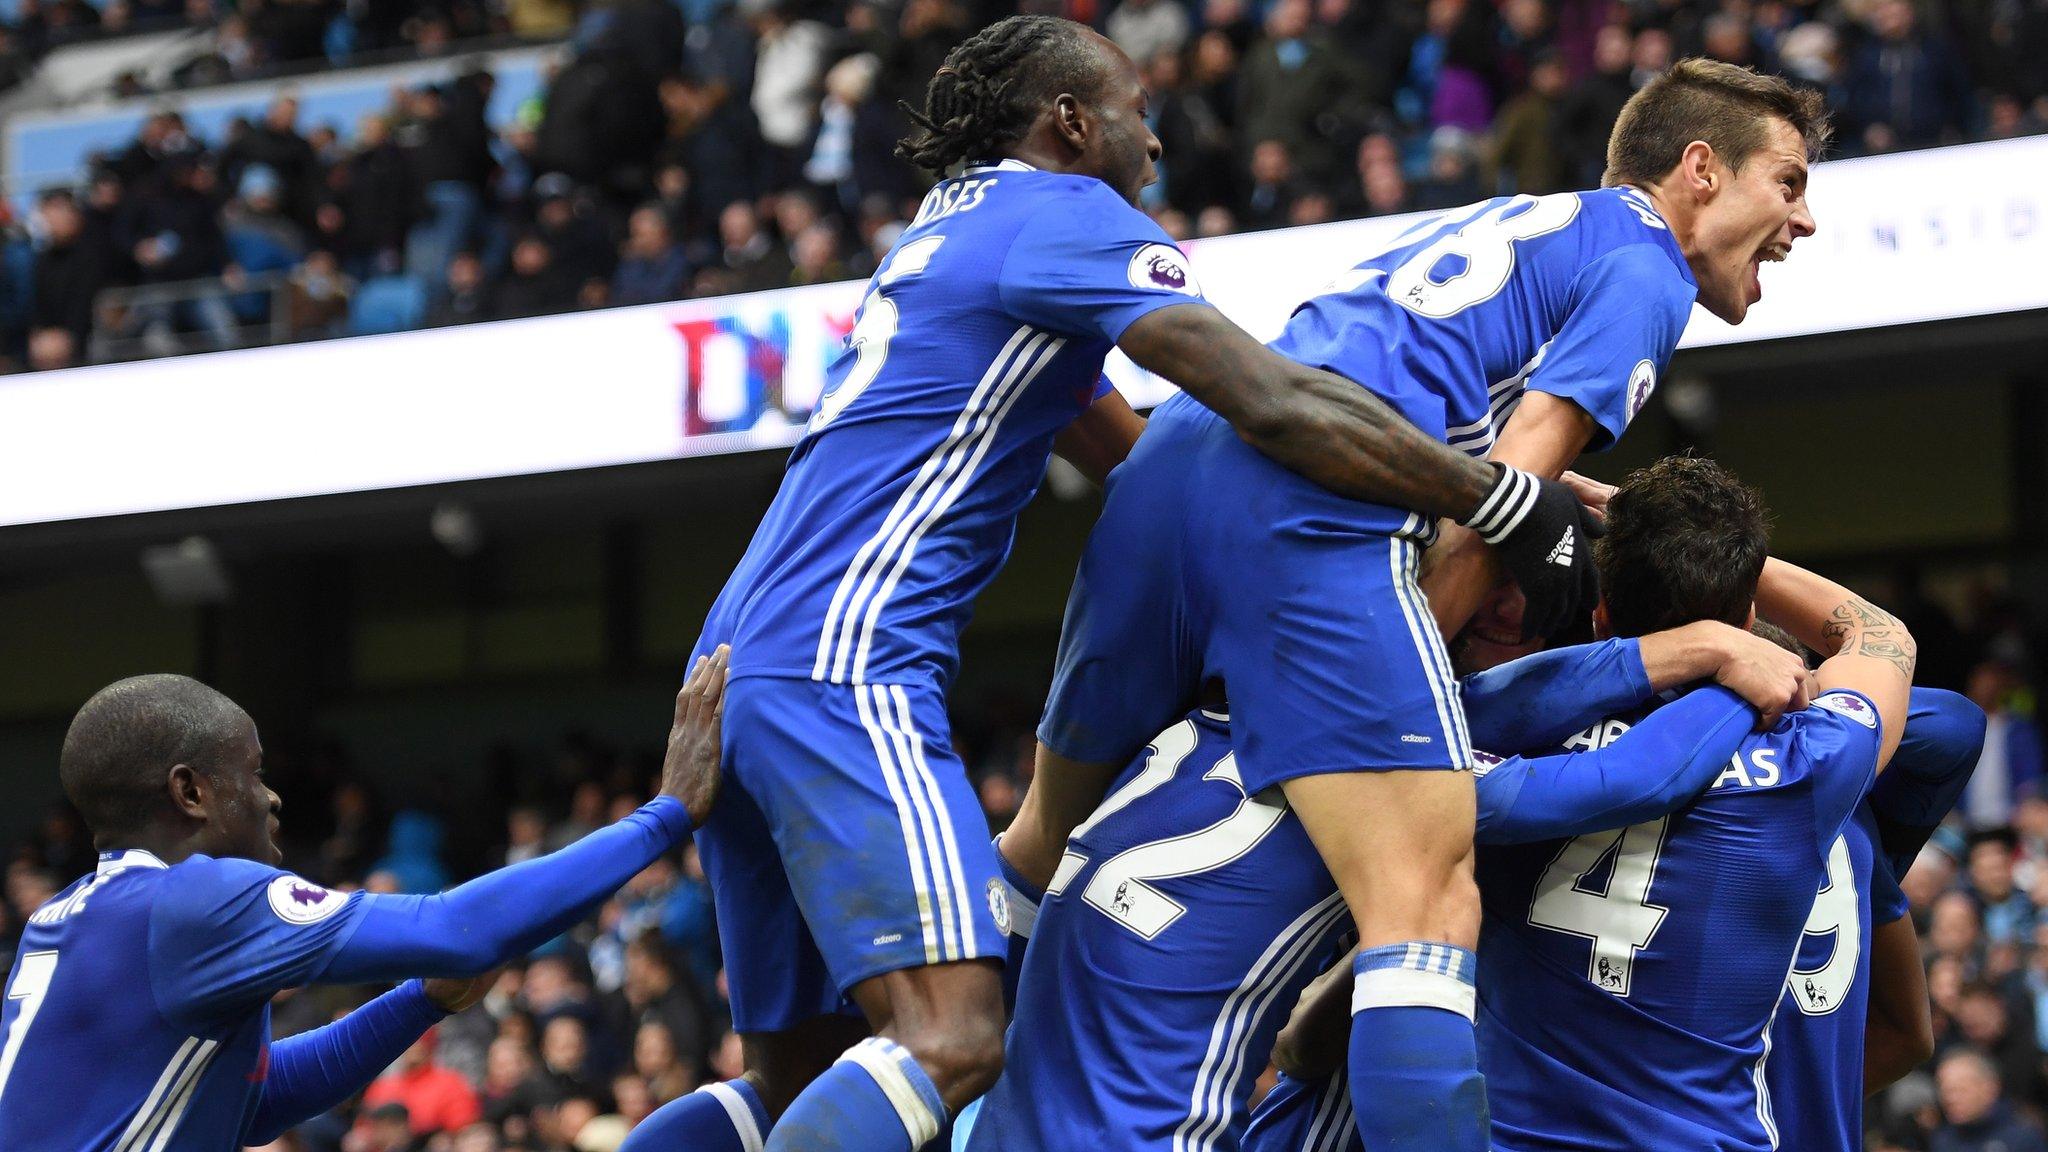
(1773, 253)
(1505, 637)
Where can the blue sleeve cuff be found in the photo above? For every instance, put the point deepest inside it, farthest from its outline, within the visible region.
(673, 817)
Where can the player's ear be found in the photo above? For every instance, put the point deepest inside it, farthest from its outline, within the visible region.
(1070, 120)
(1749, 624)
(1601, 629)
(1699, 170)
(188, 788)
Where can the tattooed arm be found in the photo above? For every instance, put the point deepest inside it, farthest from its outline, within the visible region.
(1862, 646)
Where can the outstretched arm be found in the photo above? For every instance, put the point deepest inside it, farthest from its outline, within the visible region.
(1341, 436)
(1656, 767)
(514, 910)
(1540, 700)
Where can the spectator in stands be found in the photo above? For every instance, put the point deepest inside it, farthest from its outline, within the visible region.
(2007, 913)
(449, 144)
(1382, 190)
(412, 852)
(1526, 155)
(51, 348)
(652, 266)
(1193, 126)
(565, 1057)
(1148, 28)
(659, 1065)
(1453, 177)
(380, 194)
(2011, 762)
(1976, 1117)
(260, 236)
(789, 63)
(512, 1083)
(1294, 83)
(568, 220)
(385, 1128)
(534, 287)
(435, 1098)
(316, 298)
(656, 991)
(1905, 86)
(752, 257)
(276, 144)
(70, 267)
(1273, 186)
(178, 239)
(816, 257)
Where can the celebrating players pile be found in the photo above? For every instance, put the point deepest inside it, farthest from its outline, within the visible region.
(1634, 894)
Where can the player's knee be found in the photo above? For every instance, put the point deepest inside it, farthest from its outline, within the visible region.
(962, 1055)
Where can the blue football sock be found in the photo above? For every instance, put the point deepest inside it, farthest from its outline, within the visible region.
(724, 1117)
(1415, 1078)
(875, 1099)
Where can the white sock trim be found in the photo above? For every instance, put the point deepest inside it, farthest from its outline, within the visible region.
(742, 1117)
(1408, 988)
(879, 1058)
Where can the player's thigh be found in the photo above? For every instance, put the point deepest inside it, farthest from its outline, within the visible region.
(776, 978)
(1399, 845)
(878, 831)
(1332, 660)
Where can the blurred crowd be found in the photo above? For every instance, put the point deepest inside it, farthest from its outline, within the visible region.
(579, 1041)
(704, 147)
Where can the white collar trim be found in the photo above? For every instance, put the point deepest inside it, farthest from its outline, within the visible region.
(132, 858)
(1012, 165)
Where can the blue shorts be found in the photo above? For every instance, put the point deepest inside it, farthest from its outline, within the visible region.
(1305, 1116)
(846, 842)
(1211, 562)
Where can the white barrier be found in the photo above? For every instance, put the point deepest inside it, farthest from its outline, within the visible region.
(1923, 236)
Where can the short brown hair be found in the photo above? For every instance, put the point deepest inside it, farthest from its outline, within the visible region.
(1726, 105)
(1686, 541)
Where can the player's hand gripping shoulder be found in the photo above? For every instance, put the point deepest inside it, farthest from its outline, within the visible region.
(1544, 536)
(690, 771)
(1773, 680)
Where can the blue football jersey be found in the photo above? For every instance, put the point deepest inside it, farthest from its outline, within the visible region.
(1182, 924)
(1579, 294)
(1628, 979)
(982, 335)
(137, 1016)
(1815, 1070)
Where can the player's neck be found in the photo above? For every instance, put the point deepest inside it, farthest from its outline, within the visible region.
(168, 845)
(1678, 214)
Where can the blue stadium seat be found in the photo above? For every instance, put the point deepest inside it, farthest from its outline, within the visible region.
(387, 304)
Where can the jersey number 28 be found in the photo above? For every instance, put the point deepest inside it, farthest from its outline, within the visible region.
(1472, 264)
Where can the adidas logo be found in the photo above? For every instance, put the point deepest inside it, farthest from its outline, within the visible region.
(1561, 552)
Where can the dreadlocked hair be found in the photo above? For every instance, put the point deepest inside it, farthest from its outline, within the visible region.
(991, 88)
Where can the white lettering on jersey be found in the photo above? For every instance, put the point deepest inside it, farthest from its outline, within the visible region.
(952, 198)
(1762, 760)
(1162, 266)
(299, 901)
(1598, 736)
(71, 905)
